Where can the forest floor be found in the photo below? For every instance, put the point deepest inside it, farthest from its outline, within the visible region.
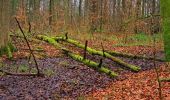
(69, 80)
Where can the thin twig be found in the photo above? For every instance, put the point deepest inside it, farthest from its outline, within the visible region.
(85, 50)
(29, 29)
(157, 72)
(103, 50)
(100, 64)
(66, 35)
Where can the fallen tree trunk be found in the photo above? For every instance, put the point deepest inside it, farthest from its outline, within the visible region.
(79, 58)
(18, 74)
(113, 53)
(48, 40)
(165, 79)
(91, 64)
(36, 50)
(100, 53)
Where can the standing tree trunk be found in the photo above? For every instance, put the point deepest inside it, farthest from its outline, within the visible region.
(101, 15)
(138, 2)
(93, 16)
(4, 21)
(50, 11)
(165, 12)
(80, 7)
(80, 13)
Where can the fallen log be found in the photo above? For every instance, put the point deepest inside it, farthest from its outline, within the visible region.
(19, 74)
(165, 79)
(113, 53)
(36, 50)
(90, 63)
(79, 58)
(100, 53)
(48, 40)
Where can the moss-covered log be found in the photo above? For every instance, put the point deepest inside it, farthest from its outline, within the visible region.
(113, 53)
(90, 63)
(100, 53)
(165, 79)
(87, 62)
(48, 40)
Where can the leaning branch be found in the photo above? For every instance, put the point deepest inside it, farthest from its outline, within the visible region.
(36, 64)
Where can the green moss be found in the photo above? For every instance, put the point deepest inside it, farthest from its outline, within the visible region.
(167, 39)
(90, 50)
(92, 64)
(140, 39)
(49, 40)
(23, 68)
(132, 67)
(100, 53)
(9, 52)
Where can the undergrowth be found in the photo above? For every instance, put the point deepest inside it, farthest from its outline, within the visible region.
(140, 39)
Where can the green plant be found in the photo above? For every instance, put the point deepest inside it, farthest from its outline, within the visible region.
(23, 68)
(165, 14)
(33, 71)
(64, 63)
(114, 37)
(48, 72)
(8, 49)
(1, 64)
(140, 39)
